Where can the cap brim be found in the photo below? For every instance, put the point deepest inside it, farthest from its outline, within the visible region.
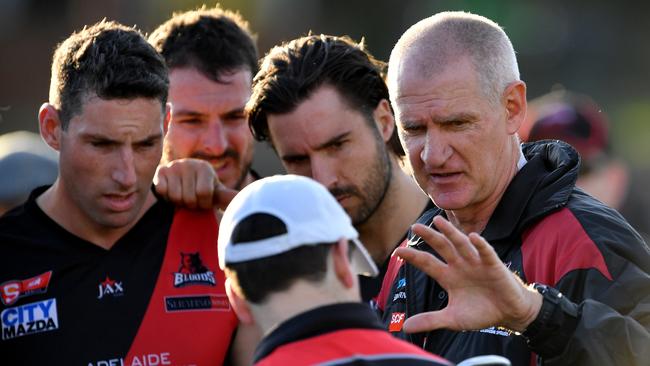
(361, 260)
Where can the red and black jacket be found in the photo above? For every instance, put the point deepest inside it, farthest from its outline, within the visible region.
(547, 231)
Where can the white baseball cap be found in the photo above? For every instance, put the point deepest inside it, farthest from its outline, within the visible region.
(306, 213)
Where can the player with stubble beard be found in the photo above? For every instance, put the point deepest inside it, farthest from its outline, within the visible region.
(212, 57)
(322, 103)
(98, 272)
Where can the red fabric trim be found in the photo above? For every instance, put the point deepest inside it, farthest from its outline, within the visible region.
(342, 344)
(558, 245)
(394, 265)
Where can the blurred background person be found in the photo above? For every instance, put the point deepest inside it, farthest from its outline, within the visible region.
(577, 119)
(212, 57)
(25, 163)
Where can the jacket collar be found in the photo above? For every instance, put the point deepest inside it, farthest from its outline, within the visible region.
(543, 184)
(324, 319)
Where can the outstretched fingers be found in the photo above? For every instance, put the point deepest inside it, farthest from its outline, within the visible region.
(484, 249)
(427, 321)
(458, 239)
(436, 241)
(424, 261)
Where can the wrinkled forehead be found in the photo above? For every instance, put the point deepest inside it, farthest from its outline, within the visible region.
(138, 117)
(413, 80)
(442, 96)
(422, 61)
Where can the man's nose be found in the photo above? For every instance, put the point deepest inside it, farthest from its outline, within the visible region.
(436, 150)
(124, 171)
(323, 170)
(214, 139)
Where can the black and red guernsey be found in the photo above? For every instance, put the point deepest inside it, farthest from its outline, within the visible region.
(546, 231)
(156, 297)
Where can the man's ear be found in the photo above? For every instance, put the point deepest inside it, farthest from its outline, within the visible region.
(514, 99)
(238, 304)
(168, 117)
(49, 124)
(384, 119)
(341, 260)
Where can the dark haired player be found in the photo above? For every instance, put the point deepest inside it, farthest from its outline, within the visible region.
(321, 101)
(93, 270)
(212, 57)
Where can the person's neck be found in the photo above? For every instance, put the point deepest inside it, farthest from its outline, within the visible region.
(401, 207)
(57, 204)
(474, 219)
(301, 297)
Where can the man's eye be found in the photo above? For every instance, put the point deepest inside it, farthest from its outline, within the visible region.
(101, 143)
(295, 160)
(235, 120)
(413, 129)
(145, 145)
(235, 117)
(190, 121)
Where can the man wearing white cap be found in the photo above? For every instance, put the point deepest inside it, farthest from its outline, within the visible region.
(291, 256)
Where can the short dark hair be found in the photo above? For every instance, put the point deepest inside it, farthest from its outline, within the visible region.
(291, 72)
(109, 60)
(212, 40)
(257, 279)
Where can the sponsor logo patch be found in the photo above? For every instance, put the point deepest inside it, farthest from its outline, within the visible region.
(197, 303)
(401, 283)
(152, 359)
(13, 290)
(400, 296)
(396, 322)
(36, 317)
(110, 288)
(193, 272)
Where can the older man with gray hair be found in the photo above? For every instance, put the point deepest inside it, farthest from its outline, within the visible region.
(508, 215)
